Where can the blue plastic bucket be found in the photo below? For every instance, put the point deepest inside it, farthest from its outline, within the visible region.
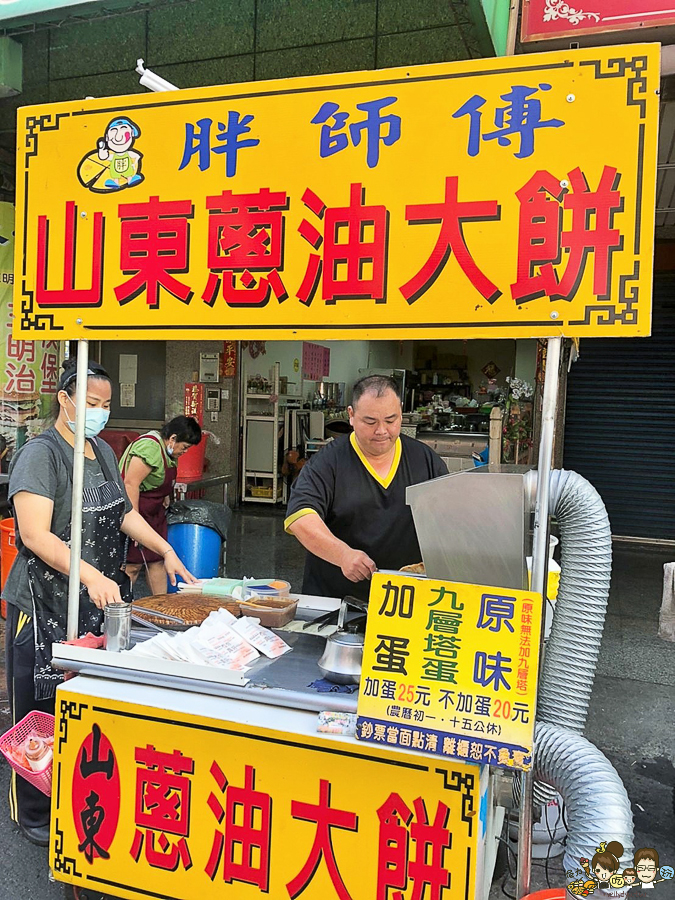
(198, 548)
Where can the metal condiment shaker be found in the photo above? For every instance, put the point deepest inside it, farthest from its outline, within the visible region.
(117, 627)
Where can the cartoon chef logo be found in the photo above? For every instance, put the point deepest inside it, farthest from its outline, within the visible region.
(114, 164)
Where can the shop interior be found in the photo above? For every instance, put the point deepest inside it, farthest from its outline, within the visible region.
(295, 397)
(281, 401)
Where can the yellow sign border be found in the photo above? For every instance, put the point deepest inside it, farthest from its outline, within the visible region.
(128, 725)
(626, 314)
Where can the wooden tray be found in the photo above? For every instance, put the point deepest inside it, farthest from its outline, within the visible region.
(192, 608)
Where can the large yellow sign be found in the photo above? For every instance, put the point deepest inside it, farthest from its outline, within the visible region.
(203, 808)
(451, 669)
(486, 198)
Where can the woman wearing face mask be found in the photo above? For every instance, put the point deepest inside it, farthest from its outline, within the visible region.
(36, 591)
(148, 467)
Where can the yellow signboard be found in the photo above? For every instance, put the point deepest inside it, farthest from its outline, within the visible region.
(485, 198)
(203, 808)
(451, 669)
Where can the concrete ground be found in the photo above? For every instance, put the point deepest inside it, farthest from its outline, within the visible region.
(631, 716)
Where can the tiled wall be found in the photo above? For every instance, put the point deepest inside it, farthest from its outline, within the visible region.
(219, 41)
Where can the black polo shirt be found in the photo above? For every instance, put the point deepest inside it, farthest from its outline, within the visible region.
(361, 508)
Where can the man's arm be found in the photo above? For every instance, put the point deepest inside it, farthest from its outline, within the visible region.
(315, 536)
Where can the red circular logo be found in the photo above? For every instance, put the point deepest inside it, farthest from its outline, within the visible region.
(96, 795)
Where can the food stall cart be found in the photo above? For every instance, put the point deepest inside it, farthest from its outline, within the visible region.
(463, 200)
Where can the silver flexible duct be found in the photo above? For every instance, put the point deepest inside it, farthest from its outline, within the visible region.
(574, 645)
(571, 655)
(596, 803)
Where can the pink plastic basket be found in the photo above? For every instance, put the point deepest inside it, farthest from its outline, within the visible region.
(35, 723)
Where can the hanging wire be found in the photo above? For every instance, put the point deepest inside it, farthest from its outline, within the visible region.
(510, 873)
(551, 837)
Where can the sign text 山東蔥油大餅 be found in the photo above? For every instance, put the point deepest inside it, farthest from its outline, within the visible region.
(471, 199)
(191, 806)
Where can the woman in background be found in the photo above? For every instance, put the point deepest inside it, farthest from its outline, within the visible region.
(148, 467)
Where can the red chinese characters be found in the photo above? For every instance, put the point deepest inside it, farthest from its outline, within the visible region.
(542, 240)
(242, 845)
(325, 818)
(154, 243)
(451, 215)
(49, 367)
(354, 265)
(68, 295)
(162, 808)
(246, 235)
(395, 865)
(564, 226)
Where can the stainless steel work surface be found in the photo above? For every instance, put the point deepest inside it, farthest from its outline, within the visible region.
(295, 670)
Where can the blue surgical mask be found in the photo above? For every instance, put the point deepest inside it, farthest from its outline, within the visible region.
(94, 422)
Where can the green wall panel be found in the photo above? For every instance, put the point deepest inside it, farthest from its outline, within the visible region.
(462, 10)
(297, 23)
(417, 47)
(110, 85)
(35, 56)
(204, 30)
(347, 56)
(404, 15)
(91, 48)
(36, 93)
(228, 70)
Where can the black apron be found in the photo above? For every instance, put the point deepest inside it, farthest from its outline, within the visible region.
(103, 546)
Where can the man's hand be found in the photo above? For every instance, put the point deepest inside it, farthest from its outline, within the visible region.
(315, 536)
(357, 565)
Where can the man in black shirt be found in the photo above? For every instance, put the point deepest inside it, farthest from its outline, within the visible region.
(347, 506)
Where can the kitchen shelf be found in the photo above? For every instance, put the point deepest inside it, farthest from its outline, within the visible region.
(260, 442)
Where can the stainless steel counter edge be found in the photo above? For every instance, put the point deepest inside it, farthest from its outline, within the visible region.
(269, 696)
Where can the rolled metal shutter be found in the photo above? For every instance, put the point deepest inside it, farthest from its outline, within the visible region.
(620, 422)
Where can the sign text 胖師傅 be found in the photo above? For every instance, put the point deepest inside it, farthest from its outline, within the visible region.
(451, 669)
(199, 807)
(482, 198)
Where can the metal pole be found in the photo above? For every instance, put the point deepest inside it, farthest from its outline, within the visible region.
(78, 485)
(539, 568)
(512, 29)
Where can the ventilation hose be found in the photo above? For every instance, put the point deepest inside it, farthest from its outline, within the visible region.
(572, 650)
(597, 807)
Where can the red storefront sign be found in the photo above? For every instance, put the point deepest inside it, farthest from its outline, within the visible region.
(551, 19)
(228, 360)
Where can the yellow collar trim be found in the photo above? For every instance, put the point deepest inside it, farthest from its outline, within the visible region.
(387, 480)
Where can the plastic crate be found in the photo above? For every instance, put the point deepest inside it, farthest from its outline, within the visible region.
(266, 492)
(35, 723)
